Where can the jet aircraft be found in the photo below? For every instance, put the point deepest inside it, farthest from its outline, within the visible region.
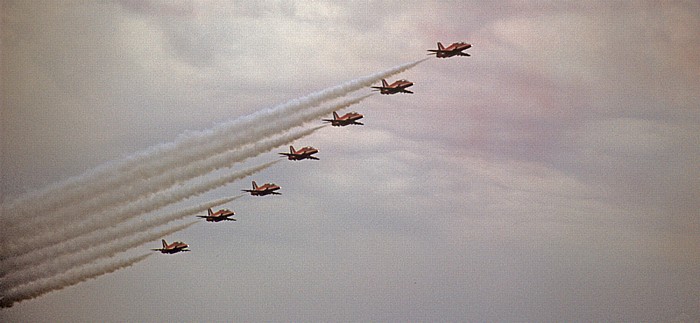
(172, 248)
(393, 88)
(263, 190)
(347, 119)
(303, 153)
(220, 215)
(453, 50)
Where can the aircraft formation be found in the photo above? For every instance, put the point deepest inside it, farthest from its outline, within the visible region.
(52, 251)
(350, 118)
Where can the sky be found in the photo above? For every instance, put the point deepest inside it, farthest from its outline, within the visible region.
(551, 176)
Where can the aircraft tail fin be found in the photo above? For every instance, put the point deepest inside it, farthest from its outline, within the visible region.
(335, 115)
(255, 185)
(209, 211)
(384, 83)
(291, 150)
(440, 47)
(165, 244)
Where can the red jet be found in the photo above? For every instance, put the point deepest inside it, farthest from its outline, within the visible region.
(393, 88)
(172, 248)
(220, 215)
(266, 189)
(303, 153)
(453, 50)
(347, 119)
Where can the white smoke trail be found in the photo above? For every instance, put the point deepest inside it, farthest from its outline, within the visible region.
(146, 188)
(62, 248)
(142, 164)
(188, 148)
(69, 278)
(37, 256)
(56, 265)
(119, 215)
(161, 183)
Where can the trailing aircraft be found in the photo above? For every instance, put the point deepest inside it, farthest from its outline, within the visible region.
(347, 119)
(263, 190)
(303, 153)
(220, 215)
(393, 88)
(453, 50)
(172, 248)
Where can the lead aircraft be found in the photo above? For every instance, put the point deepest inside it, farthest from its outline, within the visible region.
(453, 50)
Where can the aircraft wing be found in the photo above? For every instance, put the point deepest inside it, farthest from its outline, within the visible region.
(203, 216)
(406, 91)
(306, 156)
(249, 191)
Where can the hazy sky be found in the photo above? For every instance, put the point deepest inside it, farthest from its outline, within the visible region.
(552, 176)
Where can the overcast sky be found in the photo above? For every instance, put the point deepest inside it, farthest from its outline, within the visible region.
(553, 175)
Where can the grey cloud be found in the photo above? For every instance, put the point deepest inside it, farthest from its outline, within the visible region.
(550, 176)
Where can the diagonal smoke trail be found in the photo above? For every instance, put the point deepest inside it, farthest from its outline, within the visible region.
(147, 188)
(40, 255)
(170, 176)
(69, 278)
(57, 265)
(162, 182)
(119, 215)
(142, 164)
(129, 172)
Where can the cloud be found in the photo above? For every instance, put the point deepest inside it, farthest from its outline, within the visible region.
(554, 169)
(624, 137)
